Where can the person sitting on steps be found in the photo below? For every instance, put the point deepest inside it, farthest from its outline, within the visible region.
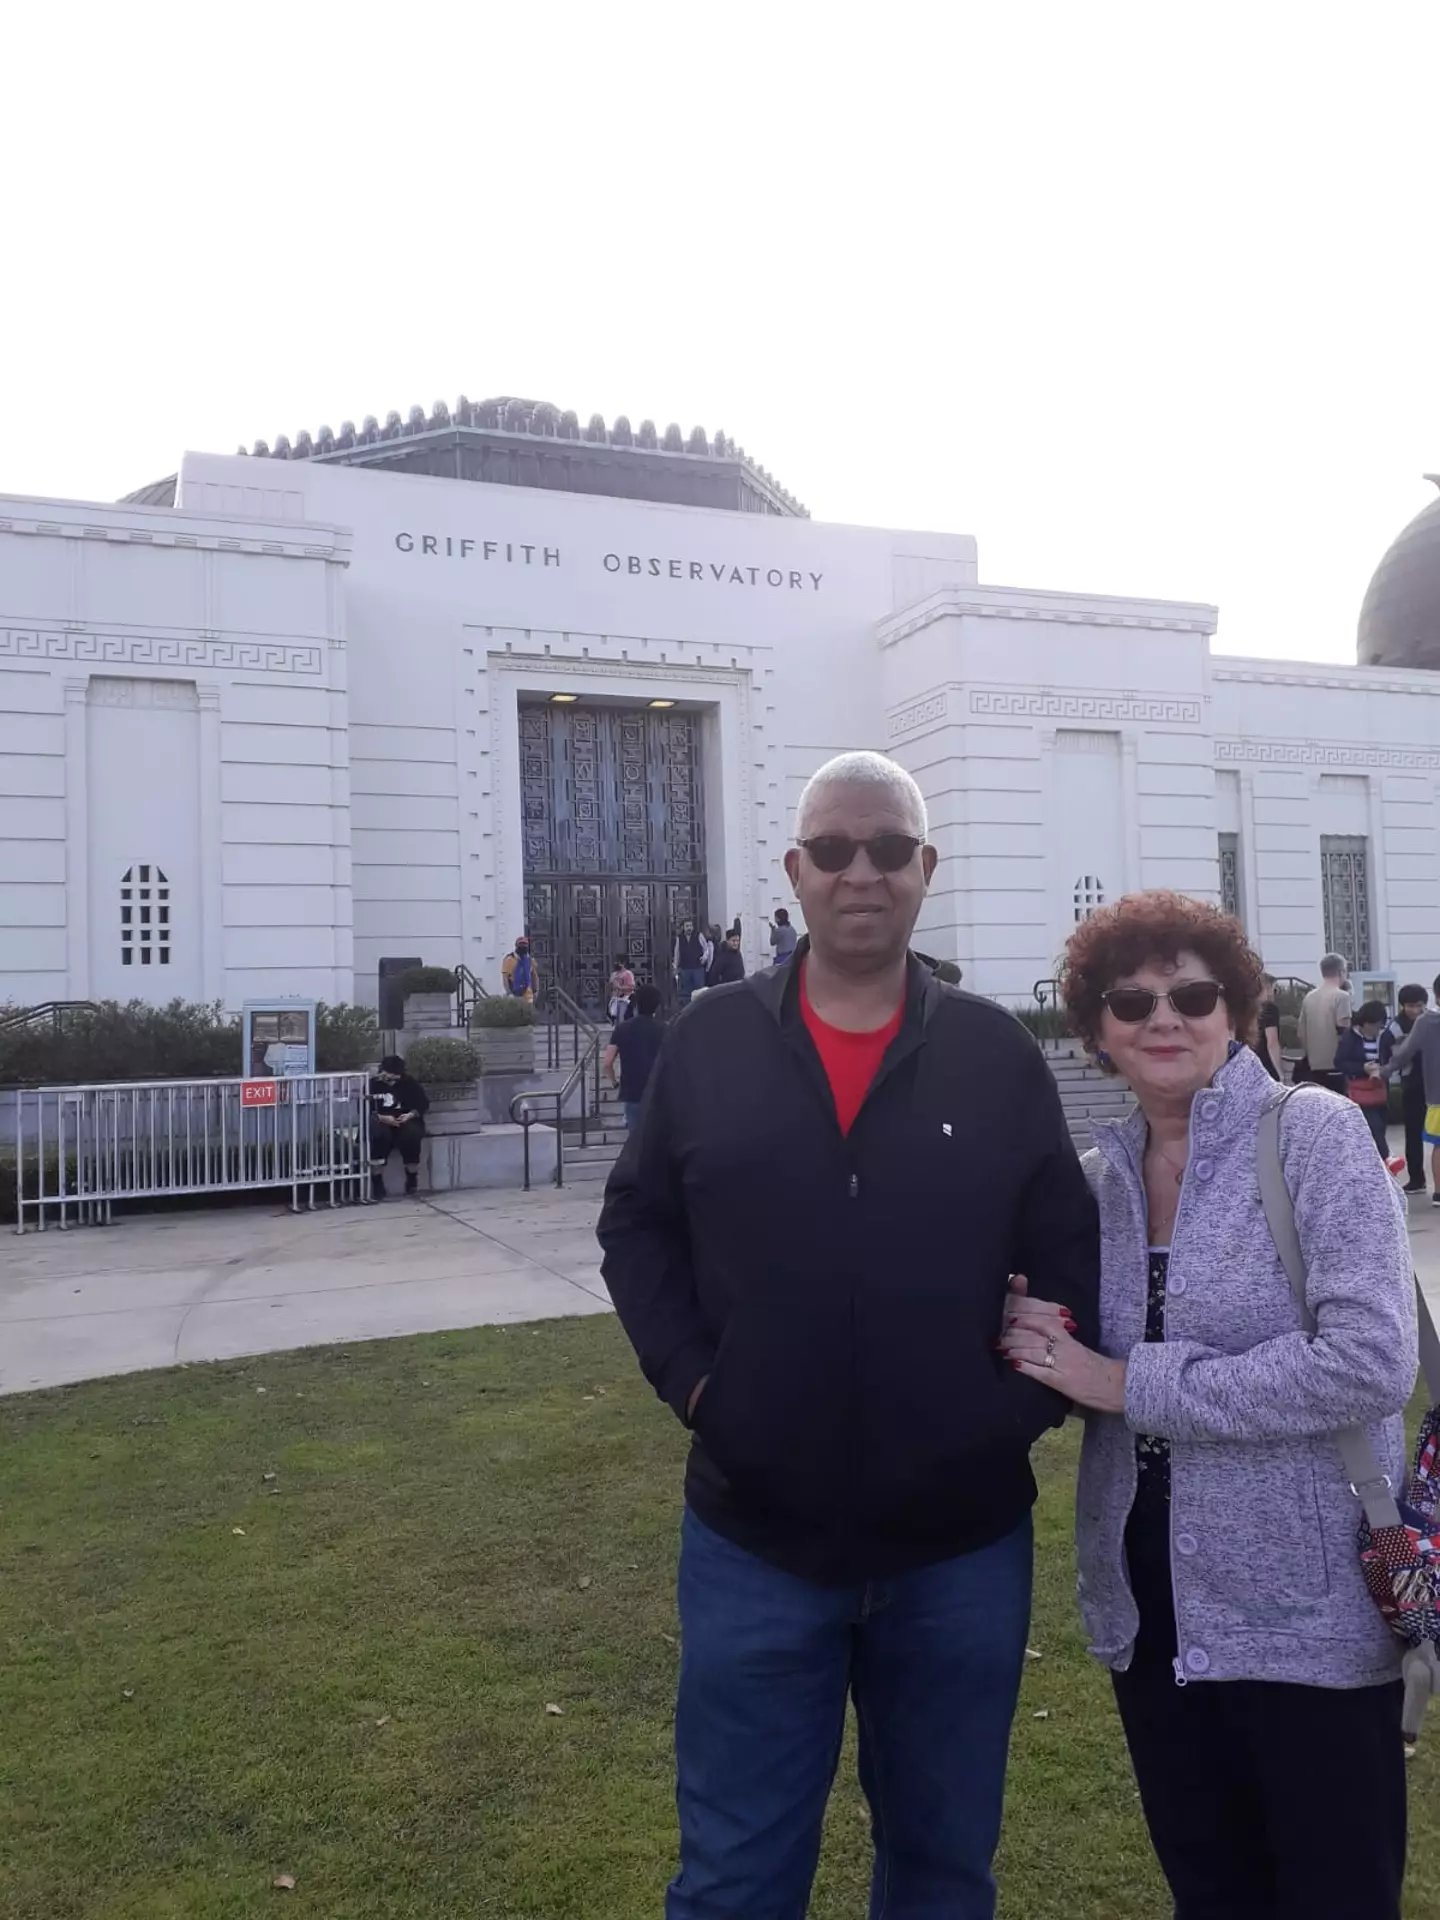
(398, 1106)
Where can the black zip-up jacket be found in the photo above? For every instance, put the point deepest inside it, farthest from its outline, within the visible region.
(844, 1294)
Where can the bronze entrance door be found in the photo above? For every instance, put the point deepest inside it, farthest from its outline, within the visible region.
(614, 840)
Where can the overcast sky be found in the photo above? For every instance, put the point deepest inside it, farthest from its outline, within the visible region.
(1143, 297)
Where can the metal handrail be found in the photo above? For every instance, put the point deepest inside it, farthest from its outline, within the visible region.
(468, 993)
(1047, 992)
(53, 1011)
(558, 1002)
(525, 1118)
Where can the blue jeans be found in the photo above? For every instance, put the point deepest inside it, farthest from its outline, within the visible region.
(933, 1661)
(691, 980)
(632, 1115)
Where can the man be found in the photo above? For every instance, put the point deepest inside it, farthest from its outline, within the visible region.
(688, 961)
(1267, 1028)
(808, 1240)
(634, 1047)
(398, 1106)
(1422, 1043)
(1324, 1016)
(729, 963)
(1411, 1002)
(517, 970)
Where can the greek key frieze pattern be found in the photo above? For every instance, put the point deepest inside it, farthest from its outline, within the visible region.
(989, 703)
(918, 713)
(145, 650)
(1307, 753)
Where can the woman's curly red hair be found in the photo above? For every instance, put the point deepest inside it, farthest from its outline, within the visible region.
(1157, 925)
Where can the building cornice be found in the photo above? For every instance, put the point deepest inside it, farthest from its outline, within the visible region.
(1057, 609)
(1263, 673)
(171, 527)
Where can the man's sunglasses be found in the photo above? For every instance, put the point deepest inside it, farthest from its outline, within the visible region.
(1192, 1000)
(889, 852)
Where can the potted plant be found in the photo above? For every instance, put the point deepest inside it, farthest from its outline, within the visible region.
(429, 994)
(448, 1071)
(504, 1028)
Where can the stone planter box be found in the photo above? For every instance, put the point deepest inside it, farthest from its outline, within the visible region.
(429, 1012)
(505, 1049)
(454, 1108)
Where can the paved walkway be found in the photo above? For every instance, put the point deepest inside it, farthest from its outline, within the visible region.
(149, 1292)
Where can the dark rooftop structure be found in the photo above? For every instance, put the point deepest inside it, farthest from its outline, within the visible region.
(1400, 618)
(529, 443)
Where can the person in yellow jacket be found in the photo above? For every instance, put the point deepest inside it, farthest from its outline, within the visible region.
(518, 971)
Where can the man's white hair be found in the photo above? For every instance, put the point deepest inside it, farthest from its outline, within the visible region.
(864, 769)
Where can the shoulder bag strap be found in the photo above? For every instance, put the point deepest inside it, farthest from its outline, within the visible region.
(1370, 1484)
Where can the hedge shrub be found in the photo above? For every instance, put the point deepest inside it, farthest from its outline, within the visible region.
(502, 1010)
(184, 1041)
(426, 980)
(438, 1062)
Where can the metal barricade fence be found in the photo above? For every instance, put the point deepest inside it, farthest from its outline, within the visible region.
(80, 1149)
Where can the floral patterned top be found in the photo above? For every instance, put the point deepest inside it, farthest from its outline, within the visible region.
(1152, 1454)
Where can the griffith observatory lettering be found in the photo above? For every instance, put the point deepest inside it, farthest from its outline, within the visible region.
(434, 544)
(652, 566)
(524, 553)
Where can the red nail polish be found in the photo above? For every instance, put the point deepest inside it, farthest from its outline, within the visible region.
(1016, 1365)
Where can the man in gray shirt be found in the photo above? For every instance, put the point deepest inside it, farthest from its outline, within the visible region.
(1324, 1015)
(1423, 1040)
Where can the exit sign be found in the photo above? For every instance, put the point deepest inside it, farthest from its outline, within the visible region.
(258, 1093)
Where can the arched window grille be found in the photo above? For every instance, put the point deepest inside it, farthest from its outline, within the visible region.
(1089, 894)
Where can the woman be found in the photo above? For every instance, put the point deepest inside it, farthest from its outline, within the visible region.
(1219, 1577)
(1267, 1021)
(622, 988)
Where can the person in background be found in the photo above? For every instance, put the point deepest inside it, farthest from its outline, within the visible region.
(622, 988)
(807, 1240)
(687, 960)
(634, 1047)
(518, 971)
(1324, 1016)
(729, 962)
(398, 1106)
(1258, 1685)
(1411, 1001)
(783, 936)
(1357, 1061)
(1267, 1028)
(1423, 1043)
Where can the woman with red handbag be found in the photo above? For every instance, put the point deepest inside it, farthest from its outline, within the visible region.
(1357, 1061)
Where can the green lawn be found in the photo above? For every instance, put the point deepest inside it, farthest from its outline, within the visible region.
(462, 1529)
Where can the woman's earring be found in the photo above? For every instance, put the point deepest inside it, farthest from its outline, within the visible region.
(1102, 1059)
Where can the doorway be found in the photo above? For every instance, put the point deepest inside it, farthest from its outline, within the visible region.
(614, 840)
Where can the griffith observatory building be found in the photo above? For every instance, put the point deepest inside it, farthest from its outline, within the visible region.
(412, 689)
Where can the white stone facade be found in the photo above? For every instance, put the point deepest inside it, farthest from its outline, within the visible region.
(295, 698)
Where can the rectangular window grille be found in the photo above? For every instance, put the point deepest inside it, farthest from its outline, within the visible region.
(1345, 886)
(1230, 901)
(144, 917)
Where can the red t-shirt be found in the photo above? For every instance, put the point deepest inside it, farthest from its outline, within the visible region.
(850, 1060)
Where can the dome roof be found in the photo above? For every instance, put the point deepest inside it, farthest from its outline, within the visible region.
(1400, 619)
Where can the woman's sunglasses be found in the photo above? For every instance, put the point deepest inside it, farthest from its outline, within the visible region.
(889, 852)
(1192, 1000)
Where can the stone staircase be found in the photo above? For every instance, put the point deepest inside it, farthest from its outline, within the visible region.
(1086, 1093)
(605, 1136)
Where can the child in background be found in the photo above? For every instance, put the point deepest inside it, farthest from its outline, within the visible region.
(1357, 1061)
